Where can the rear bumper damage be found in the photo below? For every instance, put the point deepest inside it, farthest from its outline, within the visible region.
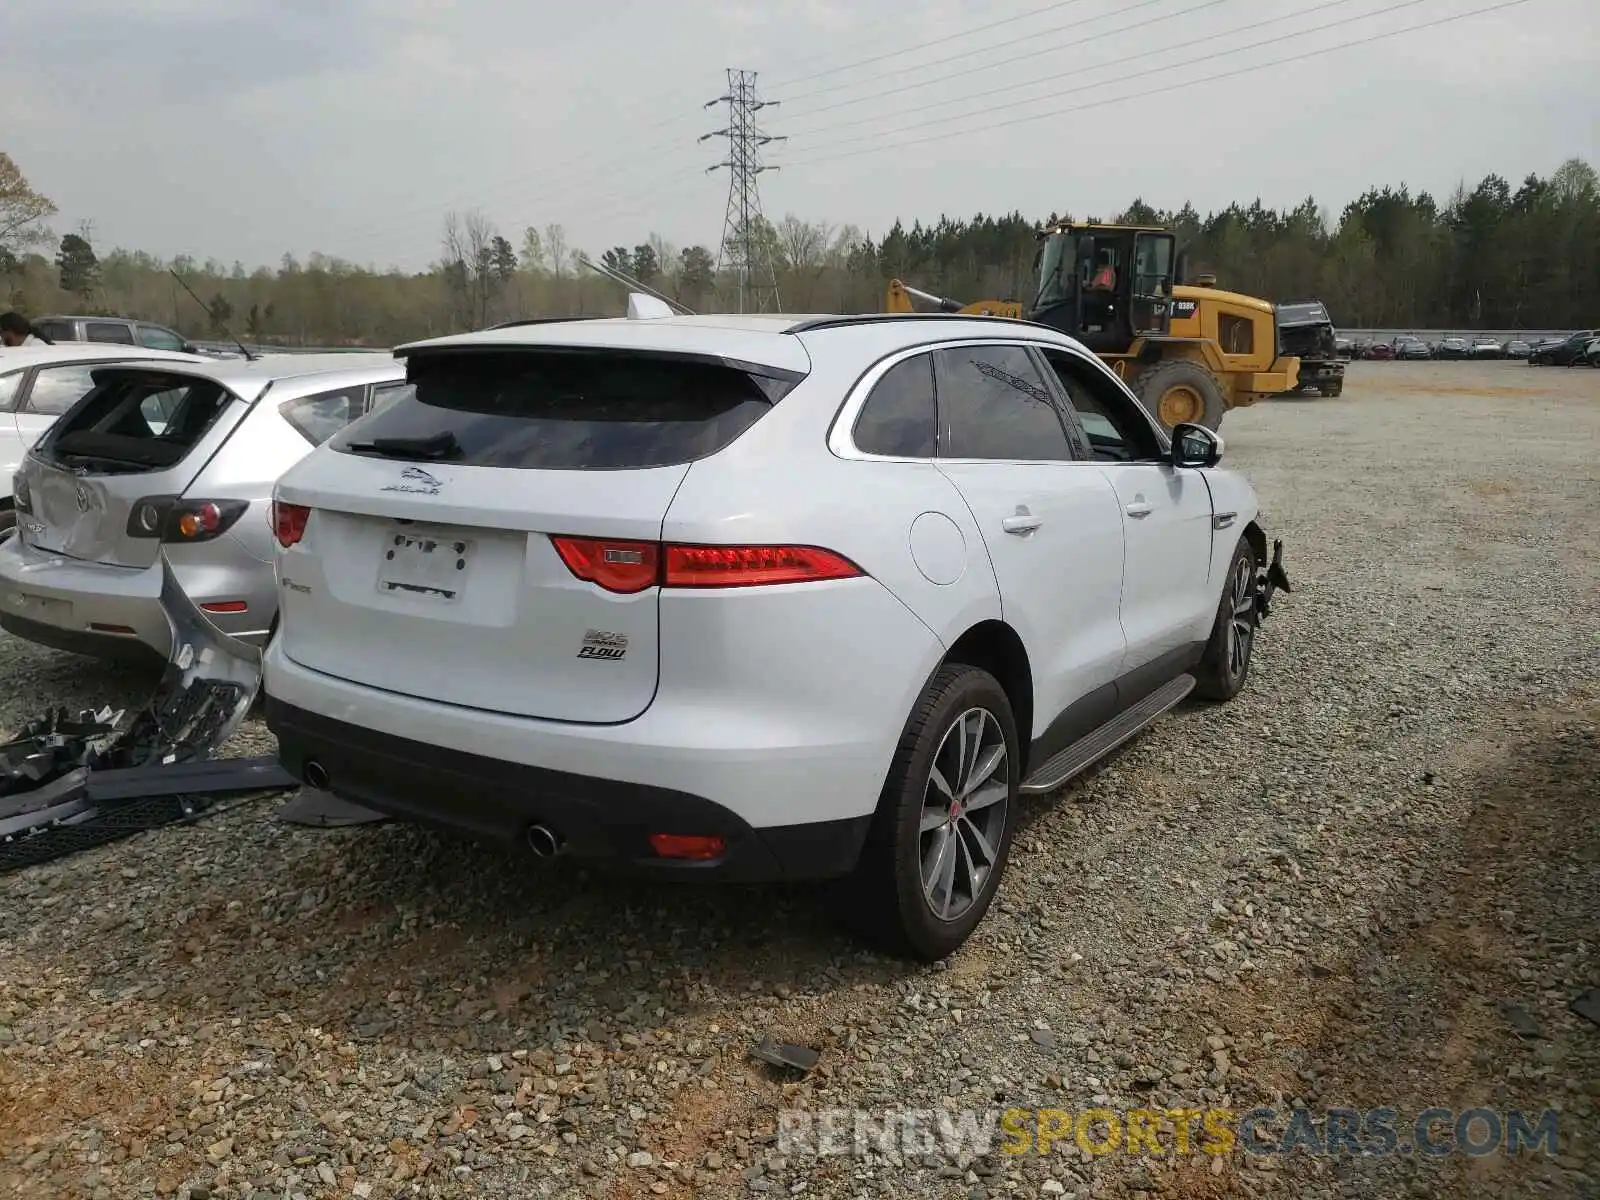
(605, 821)
(1271, 580)
(69, 783)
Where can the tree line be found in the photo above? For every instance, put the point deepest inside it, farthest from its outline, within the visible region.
(1492, 257)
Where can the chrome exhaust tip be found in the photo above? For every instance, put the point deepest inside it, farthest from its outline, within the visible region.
(544, 841)
(316, 776)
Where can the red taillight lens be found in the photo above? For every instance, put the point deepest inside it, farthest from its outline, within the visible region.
(289, 522)
(753, 566)
(693, 847)
(616, 566)
(634, 566)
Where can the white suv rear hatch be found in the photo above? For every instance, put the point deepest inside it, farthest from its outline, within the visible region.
(432, 560)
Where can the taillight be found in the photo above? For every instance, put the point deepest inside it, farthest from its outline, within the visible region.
(753, 566)
(173, 519)
(289, 522)
(631, 566)
(616, 566)
(21, 498)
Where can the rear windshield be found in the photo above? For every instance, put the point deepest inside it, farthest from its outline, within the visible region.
(136, 422)
(558, 410)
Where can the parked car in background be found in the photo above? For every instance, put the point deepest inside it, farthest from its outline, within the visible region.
(1486, 347)
(1344, 347)
(121, 331)
(1518, 348)
(1564, 352)
(1591, 353)
(1378, 351)
(1411, 348)
(1451, 347)
(37, 385)
(176, 457)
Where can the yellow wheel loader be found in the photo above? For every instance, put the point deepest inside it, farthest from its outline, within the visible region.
(1189, 351)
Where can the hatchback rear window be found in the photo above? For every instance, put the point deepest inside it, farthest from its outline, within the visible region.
(143, 422)
(564, 410)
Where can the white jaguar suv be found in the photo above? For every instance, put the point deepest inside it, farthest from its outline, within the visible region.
(754, 597)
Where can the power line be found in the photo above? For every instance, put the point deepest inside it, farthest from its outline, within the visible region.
(1016, 41)
(938, 41)
(1229, 52)
(1010, 89)
(539, 199)
(879, 147)
(744, 246)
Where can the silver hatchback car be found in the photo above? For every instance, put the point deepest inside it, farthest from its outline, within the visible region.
(170, 456)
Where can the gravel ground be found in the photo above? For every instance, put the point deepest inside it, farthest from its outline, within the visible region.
(1371, 881)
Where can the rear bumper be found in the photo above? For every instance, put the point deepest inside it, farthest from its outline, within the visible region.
(605, 820)
(107, 611)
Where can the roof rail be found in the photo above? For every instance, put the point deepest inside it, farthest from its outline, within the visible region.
(838, 322)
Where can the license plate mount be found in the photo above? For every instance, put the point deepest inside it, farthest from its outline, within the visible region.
(430, 566)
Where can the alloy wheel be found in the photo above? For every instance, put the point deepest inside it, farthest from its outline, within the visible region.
(1242, 618)
(964, 808)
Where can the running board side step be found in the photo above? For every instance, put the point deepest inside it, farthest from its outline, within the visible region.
(1092, 747)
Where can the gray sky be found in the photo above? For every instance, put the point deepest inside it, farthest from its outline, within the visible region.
(240, 129)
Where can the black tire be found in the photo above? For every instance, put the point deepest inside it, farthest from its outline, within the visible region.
(1335, 389)
(1157, 381)
(1225, 666)
(8, 520)
(887, 898)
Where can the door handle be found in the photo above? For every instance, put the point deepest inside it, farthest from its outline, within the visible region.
(1022, 524)
(1138, 510)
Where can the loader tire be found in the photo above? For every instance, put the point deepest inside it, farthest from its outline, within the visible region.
(1180, 390)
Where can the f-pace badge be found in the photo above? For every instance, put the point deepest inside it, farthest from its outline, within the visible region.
(597, 644)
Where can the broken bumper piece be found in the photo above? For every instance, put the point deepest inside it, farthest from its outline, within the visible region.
(1272, 579)
(69, 782)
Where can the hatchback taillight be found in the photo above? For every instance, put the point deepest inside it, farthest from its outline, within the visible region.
(289, 522)
(633, 566)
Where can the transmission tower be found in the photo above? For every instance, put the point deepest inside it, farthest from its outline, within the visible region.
(744, 248)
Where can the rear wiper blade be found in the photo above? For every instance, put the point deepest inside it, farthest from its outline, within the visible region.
(440, 445)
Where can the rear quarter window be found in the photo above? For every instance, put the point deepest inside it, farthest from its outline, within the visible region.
(558, 410)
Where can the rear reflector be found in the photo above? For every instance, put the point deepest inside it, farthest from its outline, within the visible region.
(616, 566)
(289, 522)
(687, 846)
(226, 606)
(627, 566)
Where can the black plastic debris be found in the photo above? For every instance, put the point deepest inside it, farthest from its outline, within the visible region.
(71, 781)
(323, 810)
(1587, 1005)
(786, 1054)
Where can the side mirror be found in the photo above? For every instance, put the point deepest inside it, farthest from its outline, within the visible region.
(1195, 446)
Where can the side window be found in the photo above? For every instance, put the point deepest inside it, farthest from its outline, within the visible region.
(317, 418)
(993, 404)
(901, 419)
(157, 338)
(1117, 430)
(56, 389)
(56, 331)
(385, 394)
(1237, 335)
(8, 390)
(108, 331)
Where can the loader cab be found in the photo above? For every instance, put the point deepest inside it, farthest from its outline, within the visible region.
(1072, 295)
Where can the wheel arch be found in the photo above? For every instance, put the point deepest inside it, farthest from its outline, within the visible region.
(994, 646)
(1257, 537)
